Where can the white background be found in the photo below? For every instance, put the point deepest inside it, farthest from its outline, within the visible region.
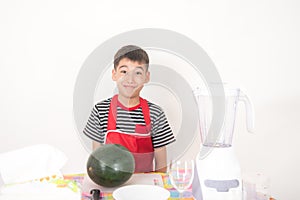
(254, 44)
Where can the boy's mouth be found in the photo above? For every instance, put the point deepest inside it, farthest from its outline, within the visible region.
(129, 86)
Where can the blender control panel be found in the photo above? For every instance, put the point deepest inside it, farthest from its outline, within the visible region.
(222, 185)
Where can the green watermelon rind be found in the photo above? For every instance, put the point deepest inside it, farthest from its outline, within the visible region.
(106, 171)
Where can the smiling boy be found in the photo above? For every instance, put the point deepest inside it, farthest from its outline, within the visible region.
(128, 119)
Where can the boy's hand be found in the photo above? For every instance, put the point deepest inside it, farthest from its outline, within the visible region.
(96, 145)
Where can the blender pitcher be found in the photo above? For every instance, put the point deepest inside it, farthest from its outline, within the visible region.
(231, 100)
(217, 168)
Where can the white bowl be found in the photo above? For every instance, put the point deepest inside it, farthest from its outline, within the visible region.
(141, 192)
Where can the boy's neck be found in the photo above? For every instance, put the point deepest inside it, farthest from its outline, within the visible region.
(129, 102)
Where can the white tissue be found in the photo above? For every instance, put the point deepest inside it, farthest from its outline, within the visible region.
(31, 163)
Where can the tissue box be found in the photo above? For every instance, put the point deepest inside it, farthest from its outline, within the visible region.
(22, 172)
(31, 162)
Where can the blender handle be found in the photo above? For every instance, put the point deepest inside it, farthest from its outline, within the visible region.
(249, 111)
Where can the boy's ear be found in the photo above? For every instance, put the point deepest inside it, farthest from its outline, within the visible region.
(147, 77)
(113, 75)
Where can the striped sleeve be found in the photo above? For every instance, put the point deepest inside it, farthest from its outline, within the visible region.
(96, 126)
(162, 134)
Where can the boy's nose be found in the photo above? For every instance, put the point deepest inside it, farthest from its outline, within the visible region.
(130, 76)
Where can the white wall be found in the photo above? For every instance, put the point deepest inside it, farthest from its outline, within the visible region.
(254, 44)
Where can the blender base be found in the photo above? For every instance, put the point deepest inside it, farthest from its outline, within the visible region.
(218, 175)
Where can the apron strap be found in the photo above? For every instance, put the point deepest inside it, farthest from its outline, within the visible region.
(112, 114)
(146, 111)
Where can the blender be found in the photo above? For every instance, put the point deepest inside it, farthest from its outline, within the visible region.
(217, 169)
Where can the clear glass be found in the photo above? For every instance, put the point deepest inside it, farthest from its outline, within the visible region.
(181, 175)
(205, 106)
(256, 186)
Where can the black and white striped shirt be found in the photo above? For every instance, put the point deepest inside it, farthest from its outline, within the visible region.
(96, 127)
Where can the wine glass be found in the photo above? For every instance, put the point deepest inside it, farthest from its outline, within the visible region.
(181, 174)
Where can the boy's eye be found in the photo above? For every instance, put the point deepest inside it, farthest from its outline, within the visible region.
(139, 73)
(123, 71)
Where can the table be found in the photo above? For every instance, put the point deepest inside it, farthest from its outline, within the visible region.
(79, 178)
(174, 195)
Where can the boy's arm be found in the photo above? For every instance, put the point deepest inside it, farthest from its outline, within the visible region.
(160, 155)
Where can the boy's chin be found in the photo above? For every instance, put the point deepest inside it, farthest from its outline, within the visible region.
(129, 95)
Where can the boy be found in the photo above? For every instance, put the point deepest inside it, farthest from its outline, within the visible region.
(128, 119)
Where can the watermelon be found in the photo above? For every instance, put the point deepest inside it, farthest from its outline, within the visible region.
(110, 165)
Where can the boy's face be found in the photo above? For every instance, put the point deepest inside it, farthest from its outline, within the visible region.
(130, 77)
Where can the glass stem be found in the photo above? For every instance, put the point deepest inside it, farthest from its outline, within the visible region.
(180, 195)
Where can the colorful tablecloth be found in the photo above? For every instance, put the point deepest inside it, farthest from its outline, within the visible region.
(174, 194)
(75, 181)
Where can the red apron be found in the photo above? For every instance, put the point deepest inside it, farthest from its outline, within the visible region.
(138, 143)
